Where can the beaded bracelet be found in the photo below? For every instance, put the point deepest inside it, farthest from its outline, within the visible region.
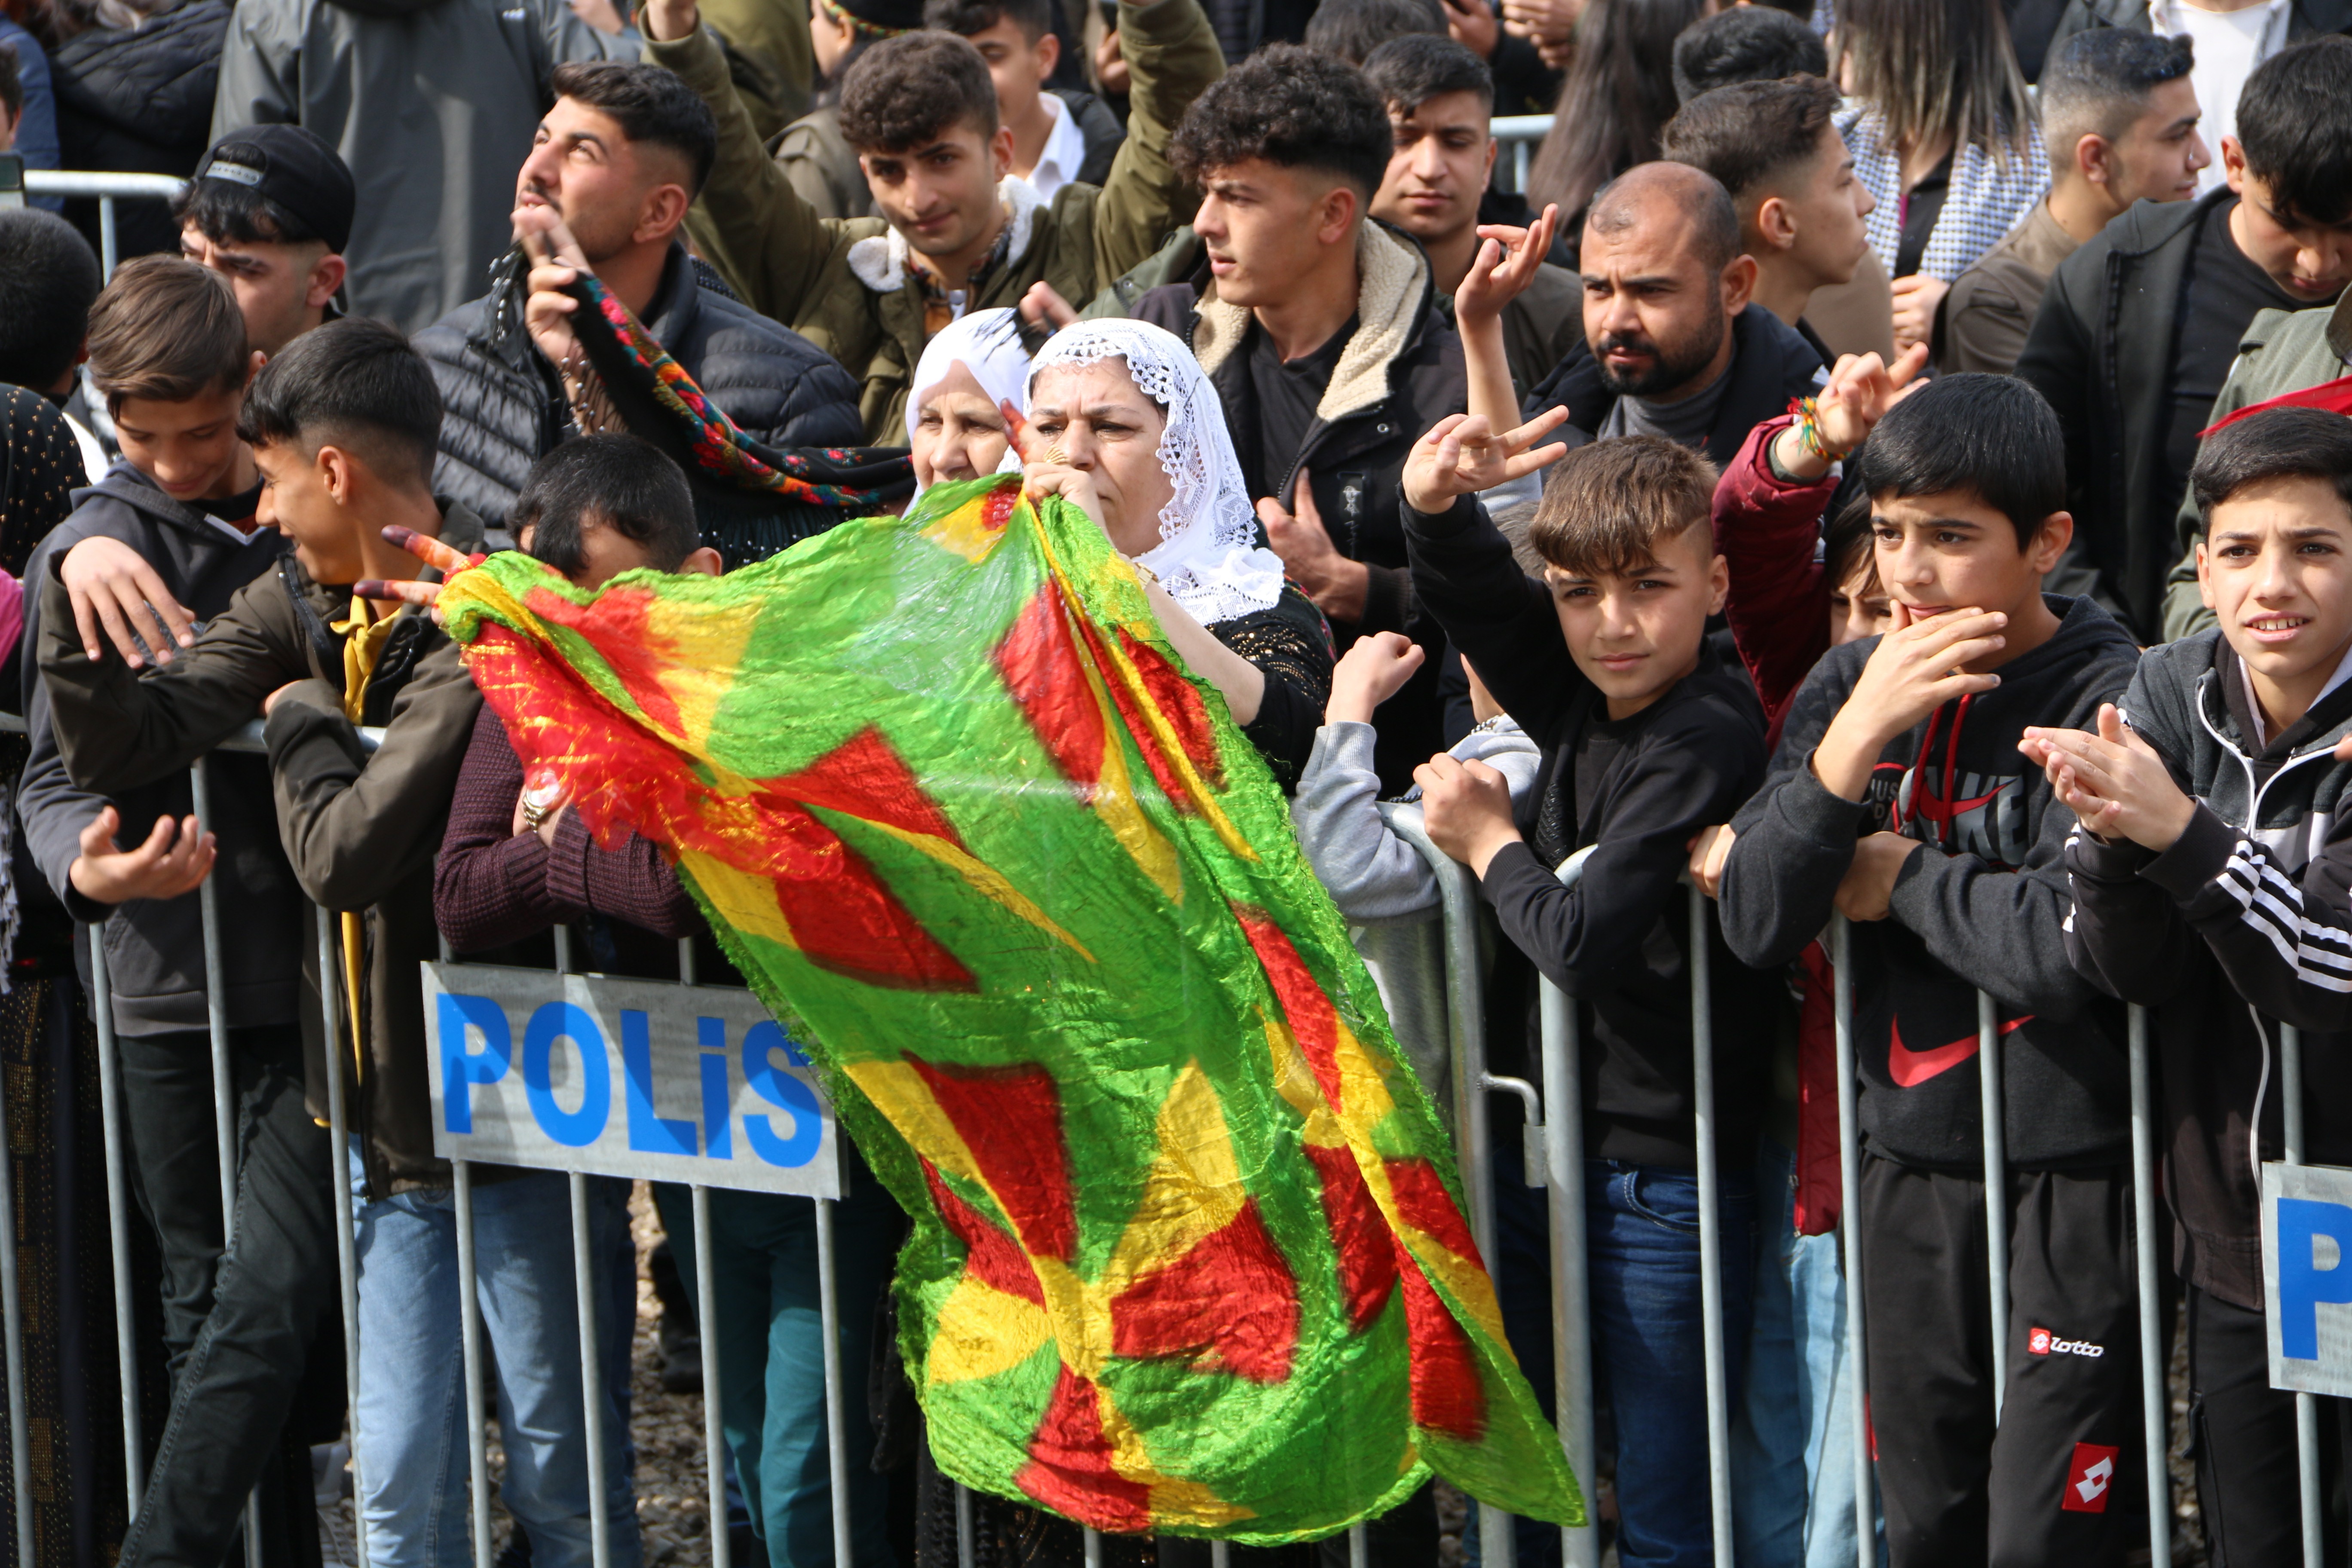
(1807, 412)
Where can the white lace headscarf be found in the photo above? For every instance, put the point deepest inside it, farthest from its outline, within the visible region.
(1208, 557)
(988, 344)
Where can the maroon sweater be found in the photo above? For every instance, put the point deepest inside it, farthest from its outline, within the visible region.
(492, 884)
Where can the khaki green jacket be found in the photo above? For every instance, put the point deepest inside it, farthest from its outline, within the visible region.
(842, 282)
(2282, 351)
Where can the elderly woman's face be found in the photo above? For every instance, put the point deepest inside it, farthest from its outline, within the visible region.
(958, 430)
(1108, 428)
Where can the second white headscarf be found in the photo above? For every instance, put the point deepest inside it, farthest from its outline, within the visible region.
(1209, 558)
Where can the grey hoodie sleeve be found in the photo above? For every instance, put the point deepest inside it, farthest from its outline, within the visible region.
(53, 811)
(1370, 873)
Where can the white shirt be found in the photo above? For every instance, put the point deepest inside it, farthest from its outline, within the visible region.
(2254, 704)
(1066, 149)
(2229, 46)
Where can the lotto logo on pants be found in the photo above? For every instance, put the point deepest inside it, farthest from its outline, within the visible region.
(2042, 1341)
(2090, 1478)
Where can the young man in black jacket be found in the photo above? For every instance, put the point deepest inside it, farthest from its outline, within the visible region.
(1897, 798)
(2209, 876)
(620, 157)
(1320, 331)
(1645, 732)
(2138, 328)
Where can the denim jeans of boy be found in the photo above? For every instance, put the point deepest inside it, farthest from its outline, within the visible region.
(411, 1450)
(238, 1324)
(1792, 1428)
(1648, 1351)
(772, 1356)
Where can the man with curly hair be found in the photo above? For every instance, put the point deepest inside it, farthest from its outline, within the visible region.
(958, 229)
(1322, 333)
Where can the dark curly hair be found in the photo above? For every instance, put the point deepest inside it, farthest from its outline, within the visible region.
(905, 92)
(1292, 106)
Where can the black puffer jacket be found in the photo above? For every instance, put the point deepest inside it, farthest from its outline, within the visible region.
(503, 407)
(138, 101)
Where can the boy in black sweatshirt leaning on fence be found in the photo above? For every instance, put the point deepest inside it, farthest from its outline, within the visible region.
(2209, 872)
(1897, 798)
(1645, 732)
(174, 523)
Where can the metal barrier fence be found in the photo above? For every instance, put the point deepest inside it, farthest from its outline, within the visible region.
(1555, 1162)
(1518, 133)
(108, 189)
(1554, 1123)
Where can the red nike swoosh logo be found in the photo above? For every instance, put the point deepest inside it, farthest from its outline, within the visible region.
(1911, 1068)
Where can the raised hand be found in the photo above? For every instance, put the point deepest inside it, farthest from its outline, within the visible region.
(1861, 389)
(556, 262)
(1340, 586)
(1044, 306)
(1459, 454)
(112, 586)
(1373, 670)
(1505, 265)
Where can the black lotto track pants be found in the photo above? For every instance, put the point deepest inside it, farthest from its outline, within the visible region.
(2060, 1481)
(2249, 1488)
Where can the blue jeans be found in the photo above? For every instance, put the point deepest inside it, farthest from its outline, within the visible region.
(1641, 1241)
(772, 1356)
(411, 1402)
(1792, 1433)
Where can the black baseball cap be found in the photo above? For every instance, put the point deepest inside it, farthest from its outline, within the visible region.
(293, 168)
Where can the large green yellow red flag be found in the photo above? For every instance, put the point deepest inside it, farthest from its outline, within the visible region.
(1189, 1252)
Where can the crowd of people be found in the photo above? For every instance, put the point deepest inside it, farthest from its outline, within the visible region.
(1891, 462)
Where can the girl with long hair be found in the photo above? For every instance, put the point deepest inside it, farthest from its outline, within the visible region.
(1619, 93)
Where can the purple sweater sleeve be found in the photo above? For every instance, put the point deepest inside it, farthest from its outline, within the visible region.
(493, 886)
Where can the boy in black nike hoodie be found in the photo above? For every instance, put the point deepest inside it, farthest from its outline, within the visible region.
(1898, 799)
(2209, 873)
(1646, 737)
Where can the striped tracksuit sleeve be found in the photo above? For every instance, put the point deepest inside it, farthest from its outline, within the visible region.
(2284, 941)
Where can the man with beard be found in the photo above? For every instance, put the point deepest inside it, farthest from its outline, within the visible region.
(1671, 348)
(619, 158)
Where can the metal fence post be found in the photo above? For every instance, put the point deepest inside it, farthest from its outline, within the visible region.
(107, 187)
(118, 1218)
(591, 1370)
(965, 1547)
(1996, 1190)
(706, 1328)
(1571, 1289)
(225, 1117)
(2307, 1407)
(836, 1424)
(1849, 1088)
(469, 1341)
(346, 1242)
(1465, 1028)
(1710, 1230)
(2155, 1407)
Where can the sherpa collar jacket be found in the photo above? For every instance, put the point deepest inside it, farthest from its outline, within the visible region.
(1397, 376)
(360, 829)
